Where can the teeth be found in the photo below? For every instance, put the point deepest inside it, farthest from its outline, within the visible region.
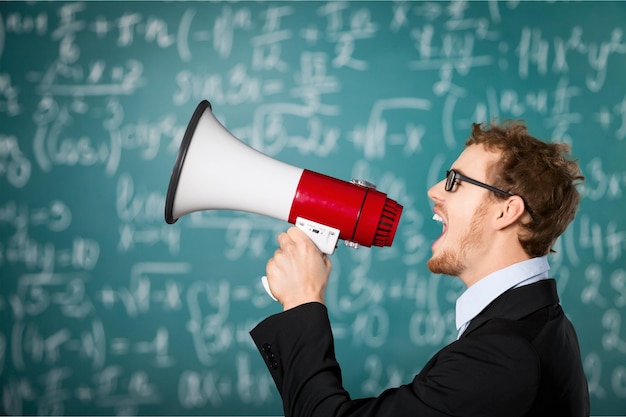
(438, 218)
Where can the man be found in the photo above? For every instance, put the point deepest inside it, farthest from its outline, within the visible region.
(504, 202)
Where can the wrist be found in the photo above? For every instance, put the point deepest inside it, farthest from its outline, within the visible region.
(288, 305)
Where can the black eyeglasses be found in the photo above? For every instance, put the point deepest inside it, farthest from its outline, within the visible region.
(452, 176)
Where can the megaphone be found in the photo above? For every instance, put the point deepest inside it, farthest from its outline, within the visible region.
(216, 171)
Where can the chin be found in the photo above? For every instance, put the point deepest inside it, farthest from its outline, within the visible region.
(434, 266)
(446, 263)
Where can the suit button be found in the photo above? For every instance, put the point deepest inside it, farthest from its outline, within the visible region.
(274, 364)
(267, 347)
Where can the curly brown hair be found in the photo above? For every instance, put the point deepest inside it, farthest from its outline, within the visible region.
(541, 173)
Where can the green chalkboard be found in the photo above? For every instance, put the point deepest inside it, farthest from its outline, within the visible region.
(106, 309)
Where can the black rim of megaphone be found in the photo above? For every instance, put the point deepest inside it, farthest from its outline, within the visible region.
(180, 160)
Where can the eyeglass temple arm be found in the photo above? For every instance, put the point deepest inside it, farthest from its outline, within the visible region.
(501, 192)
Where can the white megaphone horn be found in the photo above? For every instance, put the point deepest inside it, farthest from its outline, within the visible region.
(216, 171)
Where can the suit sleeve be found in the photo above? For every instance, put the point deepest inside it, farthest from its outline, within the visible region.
(298, 348)
(475, 377)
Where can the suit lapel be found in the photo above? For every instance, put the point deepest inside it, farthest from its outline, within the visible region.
(517, 303)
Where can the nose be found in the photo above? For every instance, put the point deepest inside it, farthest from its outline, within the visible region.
(437, 191)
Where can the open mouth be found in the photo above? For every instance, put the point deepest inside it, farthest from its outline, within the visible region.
(440, 219)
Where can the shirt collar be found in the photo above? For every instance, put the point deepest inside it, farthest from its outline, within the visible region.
(482, 293)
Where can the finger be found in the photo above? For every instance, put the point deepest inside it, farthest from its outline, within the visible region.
(296, 234)
(300, 238)
(271, 265)
(284, 240)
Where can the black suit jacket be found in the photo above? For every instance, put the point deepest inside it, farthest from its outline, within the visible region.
(518, 357)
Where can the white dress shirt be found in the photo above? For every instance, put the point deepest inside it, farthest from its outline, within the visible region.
(481, 294)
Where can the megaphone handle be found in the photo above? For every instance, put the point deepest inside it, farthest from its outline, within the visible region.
(324, 237)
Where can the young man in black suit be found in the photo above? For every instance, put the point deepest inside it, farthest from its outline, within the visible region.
(503, 203)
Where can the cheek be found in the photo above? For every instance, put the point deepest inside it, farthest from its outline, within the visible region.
(457, 227)
(469, 223)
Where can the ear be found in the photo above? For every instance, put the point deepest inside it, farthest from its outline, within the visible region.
(510, 211)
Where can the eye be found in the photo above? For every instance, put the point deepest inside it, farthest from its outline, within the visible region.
(454, 179)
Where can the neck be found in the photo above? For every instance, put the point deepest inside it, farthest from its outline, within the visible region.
(499, 256)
